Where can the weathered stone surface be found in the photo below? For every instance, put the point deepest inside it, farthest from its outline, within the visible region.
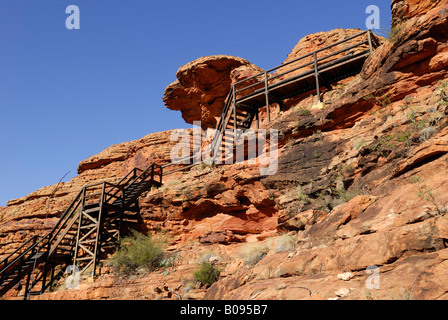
(406, 9)
(202, 87)
(207, 201)
(224, 237)
(302, 220)
(428, 151)
(359, 184)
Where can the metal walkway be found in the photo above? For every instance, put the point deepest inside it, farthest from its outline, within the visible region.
(310, 73)
(318, 69)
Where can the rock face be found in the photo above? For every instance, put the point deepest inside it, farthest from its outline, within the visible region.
(207, 203)
(406, 9)
(202, 87)
(361, 186)
(370, 147)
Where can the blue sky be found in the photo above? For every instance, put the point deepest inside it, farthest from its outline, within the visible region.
(68, 94)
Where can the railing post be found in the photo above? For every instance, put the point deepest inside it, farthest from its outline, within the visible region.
(33, 252)
(98, 230)
(52, 274)
(44, 277)
(20, 266)
(78, 231)
(234, 113)
(122, 197)
(28, 278)
(257, 119)
(152, 172)
(266, 93)
(27, 286)
(161, 174)
(121, 213)
(316, 74)
(369, 37)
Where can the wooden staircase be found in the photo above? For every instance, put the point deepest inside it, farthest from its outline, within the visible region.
(322, 68)
(89, 227)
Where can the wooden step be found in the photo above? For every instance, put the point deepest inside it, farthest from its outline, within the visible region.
(91, 210)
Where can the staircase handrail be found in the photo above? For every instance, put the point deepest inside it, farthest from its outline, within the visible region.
(17, 258)
(49, 237)
(149, 171)
(264, 73)
(218, 132)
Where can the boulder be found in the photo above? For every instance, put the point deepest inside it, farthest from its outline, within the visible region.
(406, 9)
(202, 86)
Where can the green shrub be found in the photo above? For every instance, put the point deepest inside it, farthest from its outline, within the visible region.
(443, 93)
(283, 243)
(346, 195)
(424, 192)
(304, 112)
(398, 31)
(173, 183)
(303, 197)
(207, 274)
(138, 251)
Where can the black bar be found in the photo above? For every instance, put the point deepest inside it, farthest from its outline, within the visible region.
(316, 74)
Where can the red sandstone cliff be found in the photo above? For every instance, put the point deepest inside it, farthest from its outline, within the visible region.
(362, 182)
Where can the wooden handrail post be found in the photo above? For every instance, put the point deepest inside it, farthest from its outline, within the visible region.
(122, 197)
(369, 37)
(316, 74)
(27, 286)
(257, 118)
(98, 230)
(266, 93)
(78, 231)
(161, 174)
(44, 277)
(235, 126)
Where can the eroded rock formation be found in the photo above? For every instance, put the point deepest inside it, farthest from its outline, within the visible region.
(360, 183)
(202, 87)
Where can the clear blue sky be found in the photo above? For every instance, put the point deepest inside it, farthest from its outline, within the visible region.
(68, 94)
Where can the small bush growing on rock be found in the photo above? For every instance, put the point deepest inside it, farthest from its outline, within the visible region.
(397, 33)
(284, 243)
(173, 183)
(251, 253)
(138, 251)
(207, 274)
(304, 112)
(443, 93)
(427, 133)
(347, 195)
(424, 192)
